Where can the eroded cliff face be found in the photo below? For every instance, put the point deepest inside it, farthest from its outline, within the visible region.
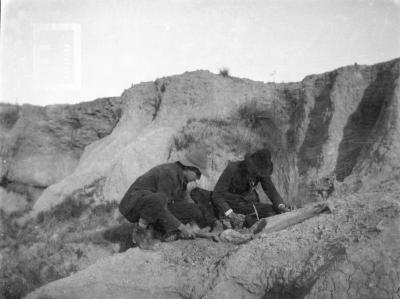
(318, 129)
(40, 146)
(334, 135)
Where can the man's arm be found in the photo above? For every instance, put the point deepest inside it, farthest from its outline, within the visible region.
(172, 222)
(269, 189)
(221, 192)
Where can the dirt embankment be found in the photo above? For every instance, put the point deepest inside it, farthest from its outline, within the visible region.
(334, 135)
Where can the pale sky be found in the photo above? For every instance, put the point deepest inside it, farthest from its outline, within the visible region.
(68, 51)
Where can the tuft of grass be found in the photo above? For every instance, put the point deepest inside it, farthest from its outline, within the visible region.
(255, 116)
(104, 208)
(183, 140)
(9, 115)
(69, 208)
(224, 72)
(216, 122)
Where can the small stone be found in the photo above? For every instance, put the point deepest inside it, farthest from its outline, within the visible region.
(381, 226)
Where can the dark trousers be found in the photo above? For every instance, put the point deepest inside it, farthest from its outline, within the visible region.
(203, 200)
(154, 209)
(187, 212)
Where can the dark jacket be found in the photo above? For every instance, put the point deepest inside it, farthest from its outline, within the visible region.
(165, 179)
(237, 185)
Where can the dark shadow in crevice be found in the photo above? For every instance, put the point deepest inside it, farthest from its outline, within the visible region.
(357, 132)
(310, 154)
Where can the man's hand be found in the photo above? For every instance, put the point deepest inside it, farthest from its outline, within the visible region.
(236, 219)
(186, 232)
(283, 209)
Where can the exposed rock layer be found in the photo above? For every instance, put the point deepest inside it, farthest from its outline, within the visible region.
(39, 146)
(336, 134)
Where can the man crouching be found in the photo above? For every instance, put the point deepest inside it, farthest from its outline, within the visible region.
(160, 197)
(235, 194)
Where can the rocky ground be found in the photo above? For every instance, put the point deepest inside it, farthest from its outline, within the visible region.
(334, 136)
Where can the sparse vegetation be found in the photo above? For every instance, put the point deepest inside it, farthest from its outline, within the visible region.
(69, 208)
(224, 72)
(183, 140)
(8, 115)
(219, 123)
(251, 127)
(104, 209)
(40, 252)
(255, 116)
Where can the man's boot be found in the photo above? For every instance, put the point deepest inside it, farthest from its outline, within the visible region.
(143, 238)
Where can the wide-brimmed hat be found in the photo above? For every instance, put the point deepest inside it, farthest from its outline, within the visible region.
(260, 161)
(195, 157)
